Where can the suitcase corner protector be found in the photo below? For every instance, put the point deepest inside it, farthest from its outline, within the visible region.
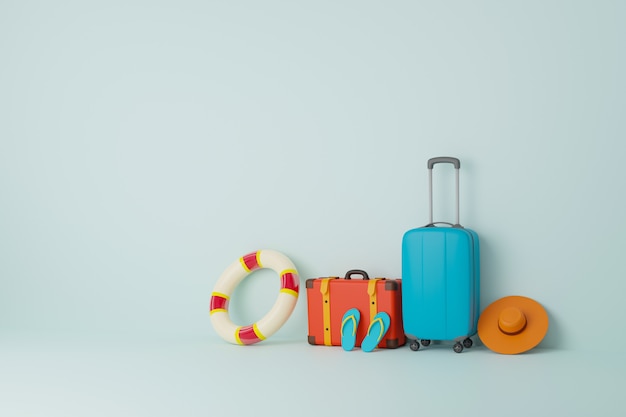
(392, 343)
(311, 340)
(391, 285)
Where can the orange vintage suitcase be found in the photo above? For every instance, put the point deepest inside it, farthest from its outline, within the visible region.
(329, 298)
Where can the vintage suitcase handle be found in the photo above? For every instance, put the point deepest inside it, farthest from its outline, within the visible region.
(457, 165)
(357, 272)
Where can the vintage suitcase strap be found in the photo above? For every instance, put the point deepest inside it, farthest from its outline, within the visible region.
(325, 290)
(371, 290)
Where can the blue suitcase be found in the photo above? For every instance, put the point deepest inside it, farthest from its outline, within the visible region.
(440, 278)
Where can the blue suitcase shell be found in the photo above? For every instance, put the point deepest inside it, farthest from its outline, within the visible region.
(440, 280)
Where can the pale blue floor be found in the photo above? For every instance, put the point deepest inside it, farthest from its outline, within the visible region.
(291, 378)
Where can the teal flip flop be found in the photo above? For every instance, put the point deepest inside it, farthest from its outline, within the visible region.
(349, 324)
(376, 331)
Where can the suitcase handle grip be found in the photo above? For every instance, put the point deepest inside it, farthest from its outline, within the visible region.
(444, 159)
(457, 166)
(357, 272)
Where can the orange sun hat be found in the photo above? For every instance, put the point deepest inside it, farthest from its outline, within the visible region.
(513, 325)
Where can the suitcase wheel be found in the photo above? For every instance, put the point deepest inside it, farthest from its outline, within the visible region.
(468, 343)
(425, 342)
(458, 347)
(414, 345)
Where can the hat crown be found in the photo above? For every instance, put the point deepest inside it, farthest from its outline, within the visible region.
(511, 320)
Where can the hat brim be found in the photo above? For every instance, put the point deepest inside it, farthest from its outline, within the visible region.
(536, 326)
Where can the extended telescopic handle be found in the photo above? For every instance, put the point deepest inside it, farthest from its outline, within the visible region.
(457, 165)
(444, 159)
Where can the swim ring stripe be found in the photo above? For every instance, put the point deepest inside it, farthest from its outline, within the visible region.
(248, 335)
(251, 261)
(219, 302)
(289, 282)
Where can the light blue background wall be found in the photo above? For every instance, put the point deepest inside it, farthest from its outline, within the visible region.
(144, 146)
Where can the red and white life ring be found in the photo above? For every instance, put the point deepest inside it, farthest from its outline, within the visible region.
(278, 314)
